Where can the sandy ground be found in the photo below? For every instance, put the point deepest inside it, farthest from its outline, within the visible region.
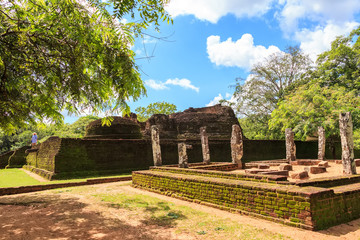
(62, 214)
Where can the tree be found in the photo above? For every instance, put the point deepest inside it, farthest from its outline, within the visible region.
(333, 86)
(68, 55)
(267, 84)
(311, 106)
(76, 129)
(340, 66)
(144, 113)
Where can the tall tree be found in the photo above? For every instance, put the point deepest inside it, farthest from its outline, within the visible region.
(69, 55)
(311, 106)
(333, 86)
(340, 65)
(266, 85)
(144, 113)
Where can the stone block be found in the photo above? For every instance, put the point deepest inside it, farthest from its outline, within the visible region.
(300, 175)
(263, 166)
(357, 162)
(285, 166)
(323, 164)
(317, 170)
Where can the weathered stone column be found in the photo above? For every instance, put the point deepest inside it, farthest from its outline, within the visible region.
(205, 145)
(183, 158)
(290, 145)
(347, 143)
(237, 150)
(155, 141)
(321, 143)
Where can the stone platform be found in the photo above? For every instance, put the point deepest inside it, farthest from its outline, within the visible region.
(310, 205)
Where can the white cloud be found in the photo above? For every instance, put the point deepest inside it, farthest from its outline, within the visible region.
(157, 85)
(228, 97)
(320, 11)
(213, 10)
(319, 40)
(184, 83)
(241, 53)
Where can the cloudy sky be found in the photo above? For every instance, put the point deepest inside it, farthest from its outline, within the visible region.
(213, 42)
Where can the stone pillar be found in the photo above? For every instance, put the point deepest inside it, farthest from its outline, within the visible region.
(155, 140)
(347, 143)
(290, 145)
(236, 142)
(183, 158)
(321, 143)
(205, 145)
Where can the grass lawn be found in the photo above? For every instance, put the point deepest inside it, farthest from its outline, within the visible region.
(16, 177)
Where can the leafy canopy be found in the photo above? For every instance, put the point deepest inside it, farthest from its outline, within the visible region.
(311, 106)
(144, 113)
(332, 87)
(69, 55)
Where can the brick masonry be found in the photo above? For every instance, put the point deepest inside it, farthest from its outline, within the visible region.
(308, 207)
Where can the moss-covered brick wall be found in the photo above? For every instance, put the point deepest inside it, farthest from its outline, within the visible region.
(283, 203)
(340, 206)
(31, 158)
(18, 158)
(72, 156)
(4, 159)
(306, 207)
(47, 152)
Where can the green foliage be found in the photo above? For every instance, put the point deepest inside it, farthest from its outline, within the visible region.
(76, 129)
(68, 55)
(143, 12)
(340, 65)
(144, 113)
(332, 87)
(22, 136)
(255, 127)
(311, 106)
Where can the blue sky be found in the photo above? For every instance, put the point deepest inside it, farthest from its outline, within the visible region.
(213, 42)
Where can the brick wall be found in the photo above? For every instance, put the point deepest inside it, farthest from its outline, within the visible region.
(305, 207)
(18, 158)
(4, 159)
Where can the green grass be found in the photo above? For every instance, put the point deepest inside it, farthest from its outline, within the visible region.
(16, 178)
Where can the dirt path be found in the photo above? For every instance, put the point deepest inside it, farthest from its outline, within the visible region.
(33, 175)
(75, 214)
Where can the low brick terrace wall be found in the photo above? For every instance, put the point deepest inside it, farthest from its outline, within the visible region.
(308, 207)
